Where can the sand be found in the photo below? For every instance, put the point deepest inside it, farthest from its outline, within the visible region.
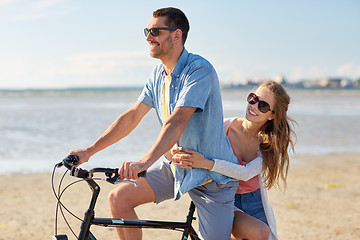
(322, 201)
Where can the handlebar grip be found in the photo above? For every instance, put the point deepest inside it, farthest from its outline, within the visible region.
(73, 159)
(69, 161)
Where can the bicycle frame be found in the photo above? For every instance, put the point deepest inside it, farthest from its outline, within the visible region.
(90, 219)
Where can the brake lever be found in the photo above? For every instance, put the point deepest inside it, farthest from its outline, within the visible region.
(113, 177)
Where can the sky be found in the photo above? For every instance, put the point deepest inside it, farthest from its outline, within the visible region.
(87, 43)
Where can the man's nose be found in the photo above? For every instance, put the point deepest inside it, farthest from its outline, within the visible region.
(149, 37)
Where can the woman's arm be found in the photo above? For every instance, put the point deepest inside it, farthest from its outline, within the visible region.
(192, 159)
(240, 172)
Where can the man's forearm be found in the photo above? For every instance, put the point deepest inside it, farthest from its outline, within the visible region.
(170, 133)
(120, 128)
(167, 138)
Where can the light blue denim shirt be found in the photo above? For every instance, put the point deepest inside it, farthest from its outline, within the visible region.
(194, 83)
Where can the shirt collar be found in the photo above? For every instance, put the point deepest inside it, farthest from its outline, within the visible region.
(181, 63)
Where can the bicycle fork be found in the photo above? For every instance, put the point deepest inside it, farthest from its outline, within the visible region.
(85, 233)
(190, 217)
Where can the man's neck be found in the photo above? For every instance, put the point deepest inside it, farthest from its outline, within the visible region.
(171, 60)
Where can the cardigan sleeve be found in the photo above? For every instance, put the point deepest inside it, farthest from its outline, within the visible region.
(240, 172)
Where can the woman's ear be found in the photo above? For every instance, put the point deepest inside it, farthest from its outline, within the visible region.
(271, 117)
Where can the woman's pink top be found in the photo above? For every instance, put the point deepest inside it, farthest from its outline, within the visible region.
(246, 186)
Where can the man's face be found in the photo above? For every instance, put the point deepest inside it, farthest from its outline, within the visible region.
(162, 45)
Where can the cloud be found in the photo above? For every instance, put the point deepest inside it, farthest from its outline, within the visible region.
(238, 73)
(17, 10)
(103, 68)
(7, 2)
(120, 68)
(46, 4)
(350, 70)
(105, 62)
(30, 17)
(300, 73)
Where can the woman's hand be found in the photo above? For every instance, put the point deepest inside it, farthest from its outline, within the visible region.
(178, 156)
(187, 158)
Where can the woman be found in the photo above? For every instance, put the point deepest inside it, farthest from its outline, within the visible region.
(260, 141)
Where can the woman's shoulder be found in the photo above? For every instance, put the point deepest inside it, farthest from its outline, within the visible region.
(227, 122)
(232, 122)
(232, 119)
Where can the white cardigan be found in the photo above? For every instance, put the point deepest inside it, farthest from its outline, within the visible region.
(245, 173)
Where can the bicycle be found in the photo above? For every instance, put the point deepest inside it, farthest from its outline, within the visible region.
(89, 216)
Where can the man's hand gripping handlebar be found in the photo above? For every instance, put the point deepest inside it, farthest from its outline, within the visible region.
(111, 174)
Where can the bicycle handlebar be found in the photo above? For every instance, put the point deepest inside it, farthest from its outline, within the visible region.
(111, 173)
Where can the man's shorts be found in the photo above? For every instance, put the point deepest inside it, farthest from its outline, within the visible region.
(161, 180)
(214, 202)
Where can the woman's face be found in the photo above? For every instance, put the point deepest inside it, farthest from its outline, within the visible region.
(254, 114)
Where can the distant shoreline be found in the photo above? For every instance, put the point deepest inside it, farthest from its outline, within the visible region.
(138, 88)
(51, 92)
(89, 88)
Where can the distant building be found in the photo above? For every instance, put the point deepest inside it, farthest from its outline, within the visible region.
(328, 83)
(347, 83)
(280, 79)
(323, 83)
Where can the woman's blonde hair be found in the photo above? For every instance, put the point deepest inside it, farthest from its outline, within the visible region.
(276, 137)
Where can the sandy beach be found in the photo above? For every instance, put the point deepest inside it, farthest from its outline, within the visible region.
(322, 201)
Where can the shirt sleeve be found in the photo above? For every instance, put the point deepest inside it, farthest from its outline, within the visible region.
(197, 87)
(148, 94)
(240, 172)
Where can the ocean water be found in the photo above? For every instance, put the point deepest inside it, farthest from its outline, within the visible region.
(39, 128)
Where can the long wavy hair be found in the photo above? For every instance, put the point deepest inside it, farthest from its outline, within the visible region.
(276, 137)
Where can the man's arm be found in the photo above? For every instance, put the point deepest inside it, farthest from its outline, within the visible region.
(123, 125)
(169, 134)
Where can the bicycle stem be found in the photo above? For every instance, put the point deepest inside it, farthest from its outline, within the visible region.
(90, 213)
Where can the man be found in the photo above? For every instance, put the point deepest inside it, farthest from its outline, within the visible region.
(184, 90)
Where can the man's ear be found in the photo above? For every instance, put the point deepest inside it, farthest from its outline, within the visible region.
(178, 34)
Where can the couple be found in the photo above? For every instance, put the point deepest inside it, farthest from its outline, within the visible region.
(184, 90)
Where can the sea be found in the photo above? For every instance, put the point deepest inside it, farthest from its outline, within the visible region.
(39, 127)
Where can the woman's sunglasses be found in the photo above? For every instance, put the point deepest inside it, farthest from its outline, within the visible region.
(263, 106)
(155, 31)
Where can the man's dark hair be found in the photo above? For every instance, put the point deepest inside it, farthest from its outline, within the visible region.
(174, 18)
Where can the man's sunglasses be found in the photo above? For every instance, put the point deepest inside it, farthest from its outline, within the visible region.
(155, 31)
(263, 106)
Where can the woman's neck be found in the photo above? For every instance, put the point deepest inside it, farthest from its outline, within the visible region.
(251, 129)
